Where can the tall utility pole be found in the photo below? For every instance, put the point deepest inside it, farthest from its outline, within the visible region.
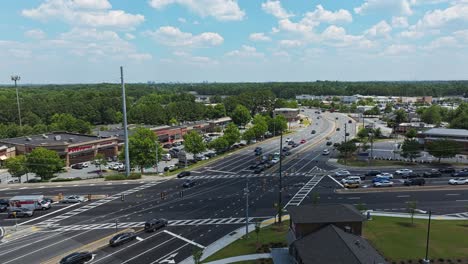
(124, 110)
(157, 146)
(280, 191)
(427, 238)
(246, 192)
(16, 78)
(371, 136)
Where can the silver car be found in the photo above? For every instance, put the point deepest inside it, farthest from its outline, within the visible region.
(73, 199)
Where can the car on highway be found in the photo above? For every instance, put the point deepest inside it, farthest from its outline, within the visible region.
(403, 172)
(458, 181)
(326, 152)
(350, 122)
(285, 149)
(448, 170)
(257, 149)
(258, 152)
(329, 143)
(415, 181)
(20, 212)
(432, 174)
(259, 169)
(183, 174)
(74, 199)
(188, 183)
(351, 179)
(373, 173)
(288, 139)
(337, 129)
(303, 141)
(77, 258)
(460, 174)
(50, 200)
(385, 175)
(253, 166)
(287, 153)
(155, 224)
(275, 160)
(384, 183)
(122, 238)
(313, 132)
(4, 204)
(293, 145)
(342, 173)
(45, 205)
(351, 185)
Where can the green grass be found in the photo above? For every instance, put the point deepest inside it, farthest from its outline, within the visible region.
(375, 163)
(397, 239)
(246, 246)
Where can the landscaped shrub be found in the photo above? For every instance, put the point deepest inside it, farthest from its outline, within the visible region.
(65, 179)
(121, 177)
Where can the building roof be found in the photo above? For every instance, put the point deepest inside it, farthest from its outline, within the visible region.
(447, 132)
(330, 213)
(333, 245)
(55, 138)
(287, 109)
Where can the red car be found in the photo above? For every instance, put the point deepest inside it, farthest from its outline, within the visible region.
(303, 141)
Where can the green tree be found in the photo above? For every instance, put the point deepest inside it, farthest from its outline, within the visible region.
(412, 133)
(17, 166)
(219, 144)
(197, 255)
(232, 134)
(260, 126)
(411, 149)
(388, 108)
(277, 125)
(67, 122)
(444, 148)
(44, 163)
(142, 148)
(411, 208)
(248, 135)
(173, 122)
(100, 159)
(241, 116)
(400, 116)
(432, 115)
(193, 142)
(346, 148)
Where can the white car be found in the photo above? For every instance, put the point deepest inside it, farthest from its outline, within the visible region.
(275, 160)
(45, 205)
(325, 152)
(73, 199)
(403, 172)
(458, 181)
(13, 180)
(342, 173)
(385, 175)
(288, 139)
(351, 179)
(85, 164)
(383, 184)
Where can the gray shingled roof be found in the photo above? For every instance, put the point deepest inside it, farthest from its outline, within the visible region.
(333, 245)
(330, 213)
(50, 139)
(447, 132)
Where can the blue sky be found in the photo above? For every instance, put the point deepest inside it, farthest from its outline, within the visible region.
(85, 41)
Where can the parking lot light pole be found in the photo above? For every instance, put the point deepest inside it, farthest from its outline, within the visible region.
(280, 191)
(124, 108)
(246, 192)
(16, 78)
(427, 238)
(157, 148)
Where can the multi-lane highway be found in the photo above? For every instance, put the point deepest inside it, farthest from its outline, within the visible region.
(199, 215)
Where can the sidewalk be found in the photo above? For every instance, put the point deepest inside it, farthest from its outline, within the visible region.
(241, 258)
(416, 216)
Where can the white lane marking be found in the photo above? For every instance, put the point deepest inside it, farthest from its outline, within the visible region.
(403, 196)
(170, 259)
(184, 239)
(172, 252)
(142, 253)
(139, 238)
(42, 216)
(461, 200)
(354, 198)
(228, 172)
(339, 183)
(452, 194)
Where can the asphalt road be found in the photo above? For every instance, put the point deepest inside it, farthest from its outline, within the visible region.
(198, 216)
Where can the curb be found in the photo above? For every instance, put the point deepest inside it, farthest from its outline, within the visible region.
(403, 189)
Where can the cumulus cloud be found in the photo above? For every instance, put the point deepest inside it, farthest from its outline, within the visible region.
(188, 58)
(84, 12)
(259, 37)
(397, 49)
(442, 42)
(399, 22)
(246, 52)
(322, 15)
(381, 29)
(172, 36)
(441, 17)
(274, 8)
(398, 7)
(35, 34)
(290, 43)
(223, 10)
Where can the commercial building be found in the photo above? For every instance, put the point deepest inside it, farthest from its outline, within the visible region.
(73, 148)
(291, 114)
(6, 151)
(418, 126)
(458, 135)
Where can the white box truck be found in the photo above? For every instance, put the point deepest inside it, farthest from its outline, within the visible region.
(31, 202)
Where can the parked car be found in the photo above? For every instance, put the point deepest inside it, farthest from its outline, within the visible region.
(385, 175)
(167, 146)
(50, 200)
(155, 224)
(183, 174)
(34, 180)
(77, 166)
(403, 172)
(342, 173)
(85, 164)
(20, 212)
(73, 199)
(351, 179)
(171, 168)
(166, 157)
(351, 185)
(432, 174)
(337, 129)
(383, 183)
(122, 238)
(448, 170)
(379, 179)
(77, 258)
(458, 181)
(415, 181)
(460, 174)
(313, 132)
(373, 173)
(210, 155)
(13, 180)
(200, 157)
(188, 183)
(350, 122)
(326, 152)
(4, 204)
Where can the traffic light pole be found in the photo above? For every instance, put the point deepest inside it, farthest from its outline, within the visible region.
(280, 191)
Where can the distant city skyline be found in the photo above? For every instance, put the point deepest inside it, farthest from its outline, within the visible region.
(85, 41)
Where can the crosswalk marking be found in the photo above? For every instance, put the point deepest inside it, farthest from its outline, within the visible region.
(95, 204)
(459, 215)
(312, 173)
(195, 222)
(304, 191)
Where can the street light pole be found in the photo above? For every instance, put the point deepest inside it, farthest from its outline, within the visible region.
(280, 193)
(246, 192)
(157, 161)
(124, 110)
(427, 238)
(16, 78)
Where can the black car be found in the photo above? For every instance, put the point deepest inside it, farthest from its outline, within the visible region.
(35, 180)
(253, 166)
(293, 145)
(287, 153)
(167, 146)
(337, 129)
(155, 224)
(411, 175)
(188, 184)
(4, 204)
(415, 181)
(122, 238)
(313, 132)
(432, 174)
(285, 149)
(258, 152)
(77, 166)
(210, 155)
(460, 174)
(183, 174)
(47, 199)
(447, 170)
(329, 143)
(373, 173)
(258, 170)
(350, 122)
(77, 258)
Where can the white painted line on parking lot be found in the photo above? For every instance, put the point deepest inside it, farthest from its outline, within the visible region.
(184, 239)
(42, 216)
(339, 183)
(139, 238)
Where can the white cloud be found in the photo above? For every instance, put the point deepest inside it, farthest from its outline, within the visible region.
(442, 42)
(172, 36)
(398, 7)
(35, 34)
(246, 52)
(462, 35)
(439, 18)
(411, 34)
(129, 36)
(397, 49)
(289, 26)
(290, 43)
(274, 8)
(380, 29)
(399, 22)
(223, 10)
(84, 12)
(194, 60)
(182, 20)
(259, 37)
(322, 15)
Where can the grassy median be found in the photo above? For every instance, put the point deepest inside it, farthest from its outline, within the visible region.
(399, 240)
